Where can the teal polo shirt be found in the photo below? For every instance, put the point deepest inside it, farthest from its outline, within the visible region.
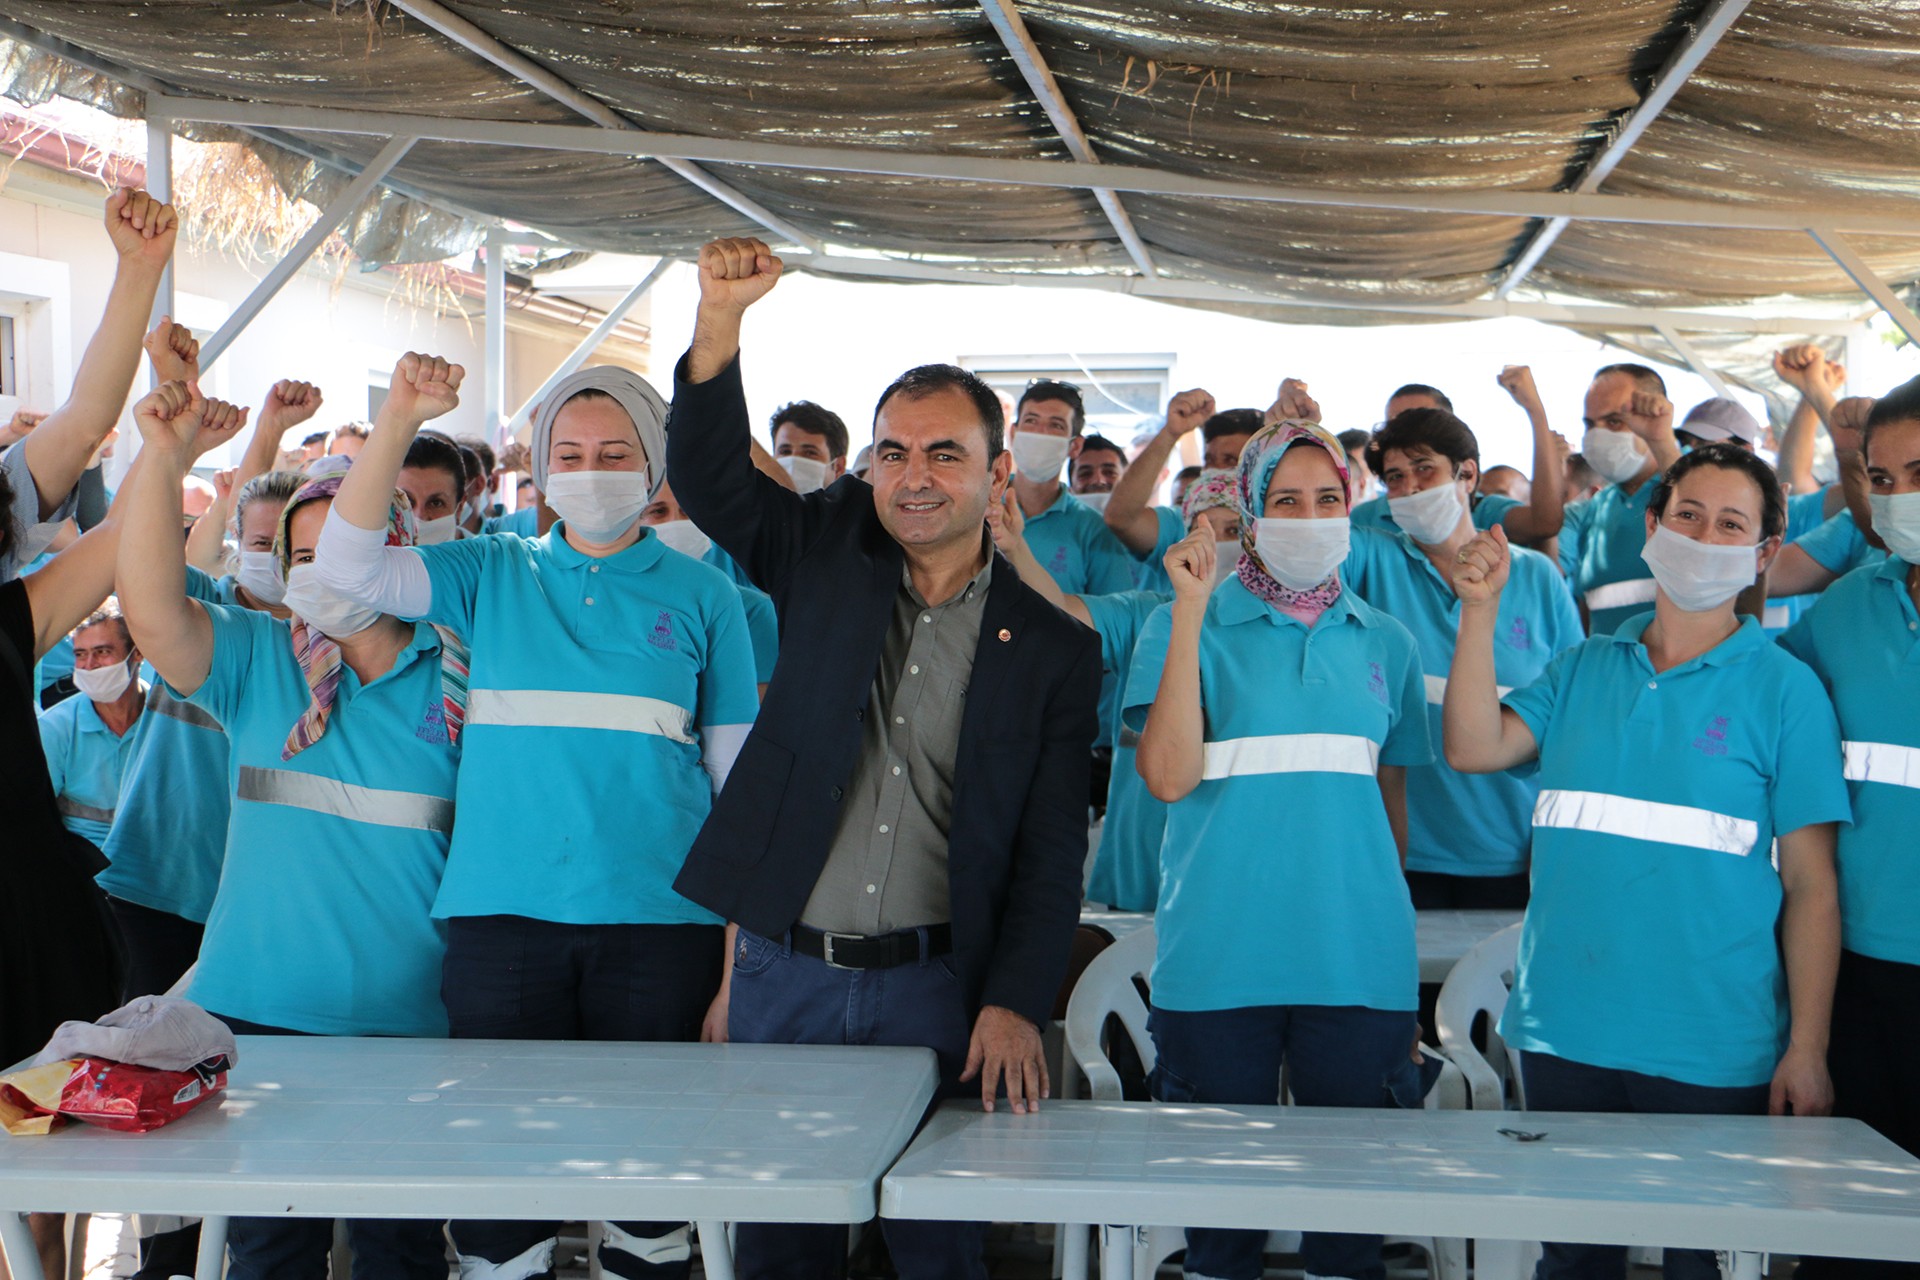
(581, 787)
(1073, 544)
(1649, 941)
(1863, 641)
(1838, 546)
(1126, 867)
(1281, 884)
(169, 837)
(524, 521)
(86, 761)
(1600, 545)
(1466, 824)
(1488, 510)
(324, 919)
(1805, 513)
(763, 630)
(1150, 570)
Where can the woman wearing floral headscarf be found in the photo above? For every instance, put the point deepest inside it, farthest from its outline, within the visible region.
(344, 726)
(1278, 714)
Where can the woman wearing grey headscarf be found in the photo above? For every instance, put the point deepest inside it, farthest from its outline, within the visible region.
(612, 683)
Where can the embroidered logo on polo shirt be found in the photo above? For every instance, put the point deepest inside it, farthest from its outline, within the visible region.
(1518, 635)
(1714, 741)
(1376, 681)
(661, 637)
(1059, 562)
(433, 726)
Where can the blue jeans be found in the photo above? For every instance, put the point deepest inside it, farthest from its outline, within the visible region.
(514, 978)
(782, 998)
(297, 1248)
(1335, 1057)
(1555, 1084)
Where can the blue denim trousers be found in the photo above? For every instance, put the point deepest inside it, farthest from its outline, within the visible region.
(780, 997)
(1335, 1056)
(1556, 1084)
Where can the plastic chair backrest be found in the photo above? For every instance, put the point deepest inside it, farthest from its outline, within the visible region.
(1106, 989)
(1471, 999)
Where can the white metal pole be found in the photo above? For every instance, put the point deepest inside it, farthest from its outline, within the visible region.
(1694, 360)
(160, 186)
(1869, 281)
(589, 344)
(495, 389)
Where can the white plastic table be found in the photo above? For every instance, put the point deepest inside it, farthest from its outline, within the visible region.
(330, 1127)
(1744, 1185)
(1441, 937)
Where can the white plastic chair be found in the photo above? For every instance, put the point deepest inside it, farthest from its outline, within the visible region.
(1105, 991)
(1473, 996)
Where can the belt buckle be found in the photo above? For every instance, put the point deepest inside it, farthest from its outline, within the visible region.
(826, 948)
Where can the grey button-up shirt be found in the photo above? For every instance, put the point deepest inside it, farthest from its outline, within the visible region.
(887, 868)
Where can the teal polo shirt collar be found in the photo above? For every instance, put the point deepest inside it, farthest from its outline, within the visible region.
(1234, 604)
(638, 558)
(1746, 640)
(425, 643)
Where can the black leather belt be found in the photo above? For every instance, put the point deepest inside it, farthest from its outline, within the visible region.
(880, 951)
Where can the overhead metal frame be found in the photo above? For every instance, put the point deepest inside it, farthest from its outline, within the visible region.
(1869, 280)
(589, 344)
(494, 356)
(342, 207)
(1026, 55)
(1695, 361)
(478, 41)
(1717, 21)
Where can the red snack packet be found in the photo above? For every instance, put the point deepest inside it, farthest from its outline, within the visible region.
(112, 1095)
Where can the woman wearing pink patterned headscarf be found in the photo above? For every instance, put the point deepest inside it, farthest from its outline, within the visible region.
(1278, 714)
(344, 727)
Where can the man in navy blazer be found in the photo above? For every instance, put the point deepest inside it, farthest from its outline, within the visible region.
(901, 839)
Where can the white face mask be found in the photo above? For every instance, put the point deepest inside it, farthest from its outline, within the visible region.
(1430, 516)
(808, 474)
(600, 506)
(1098, 501)
(323, 608)
(1896, 518)
(259, 573)
(1616, 455)
(104, 684)
(1226, 560)
(1698, 576)
(1039, 456)
(431, 533)
(1300, 554)
(683, 536)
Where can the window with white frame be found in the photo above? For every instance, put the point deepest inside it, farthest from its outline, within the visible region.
(1125, 395)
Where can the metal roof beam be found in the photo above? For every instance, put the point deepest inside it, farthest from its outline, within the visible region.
(1026, 55)
(477, 41)
(1055, 174)
(1869, 281)
(588, 345)
(1694, 360)
(1717, 21)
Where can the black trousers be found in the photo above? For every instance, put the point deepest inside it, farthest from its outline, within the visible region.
(514, 978)
(160, 947)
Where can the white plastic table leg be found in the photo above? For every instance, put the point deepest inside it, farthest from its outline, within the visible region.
(1116, 1253)
(16, 1237)
(1741, 1264)
(1073, 1250)
(208, 1262)
(716, 1254)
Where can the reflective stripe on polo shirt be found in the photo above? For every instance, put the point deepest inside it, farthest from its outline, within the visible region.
(1648, 820)
(167, 703)
(1622, 595)
(1777, 617)
(1437, 690)
(1291, 753)
(345, 800)
(564, 709)
(1885, 762)
(85, 812)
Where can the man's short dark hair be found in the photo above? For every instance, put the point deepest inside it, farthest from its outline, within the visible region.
(317, 438)
(1581, 472)
(1097, 443)
(931, 379)
(815, 420)
(1048, 389)
(1433, 429)
(1355, 440)
(1188, 475)
(487, 460)
(1435, 394)
(1727, 457)
(1232, 422)
(1902, 404)
(1643, 377)
(432, 451)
